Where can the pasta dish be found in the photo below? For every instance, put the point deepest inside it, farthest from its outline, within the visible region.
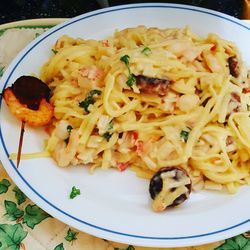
(148, 98)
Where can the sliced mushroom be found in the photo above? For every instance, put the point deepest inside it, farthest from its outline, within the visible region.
(152, 85)
(233, 66)
(169, 187)
(30, 90)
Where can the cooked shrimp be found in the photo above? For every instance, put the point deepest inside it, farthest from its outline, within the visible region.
(27, 99)
(35, 118)
(64, 153)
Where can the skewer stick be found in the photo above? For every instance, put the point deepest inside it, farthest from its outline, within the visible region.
(20, 144)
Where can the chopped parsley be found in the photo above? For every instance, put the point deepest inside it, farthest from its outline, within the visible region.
(110, 125)
(54, 51)
(146, 51)
(184, 135)
(107, 135)
(125, 59)
(131, 80)
(131, 77)
(89, 99)
(74, 192)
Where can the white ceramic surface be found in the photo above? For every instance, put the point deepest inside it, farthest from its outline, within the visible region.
(116, 205)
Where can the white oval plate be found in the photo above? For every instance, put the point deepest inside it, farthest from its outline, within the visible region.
(115, 205)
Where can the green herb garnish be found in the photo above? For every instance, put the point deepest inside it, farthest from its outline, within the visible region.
(89, 99)
(74, 192)
(146, 51)
(125, 59)
(131, 77)
(184, 135)
(107, 135)
(54, 51)
(131, 80)
(110, 125)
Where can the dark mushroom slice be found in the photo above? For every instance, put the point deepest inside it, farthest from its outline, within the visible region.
(169, 187)
(152, 85)
(30, 90)
(233, 66)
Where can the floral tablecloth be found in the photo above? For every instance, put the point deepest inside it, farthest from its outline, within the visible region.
(25, 226)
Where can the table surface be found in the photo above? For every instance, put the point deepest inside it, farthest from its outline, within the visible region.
(25, 226)
(13, 10)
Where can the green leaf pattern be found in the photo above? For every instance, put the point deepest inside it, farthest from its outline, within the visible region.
(12, 212)
(1, 70)
(71, 235)
(4, 185)
(11, 236)
(59, 247)
(34, 215)
(236, 243)
(20, 196)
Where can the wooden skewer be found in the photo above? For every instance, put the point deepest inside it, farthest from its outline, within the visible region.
(20, 143)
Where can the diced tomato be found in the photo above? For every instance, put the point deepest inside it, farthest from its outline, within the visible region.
(246, 90)
(122, 165)
(213, 48)
(152, 116)
(135, 135)
(235, 97)
(132, 137)
(74, 80)
(172, 81)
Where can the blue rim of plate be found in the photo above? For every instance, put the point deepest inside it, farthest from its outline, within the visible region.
(93, 14)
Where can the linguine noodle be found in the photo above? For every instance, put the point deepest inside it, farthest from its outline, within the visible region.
(103, 118)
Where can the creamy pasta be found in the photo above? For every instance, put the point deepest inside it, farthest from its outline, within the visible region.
(147, 98)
